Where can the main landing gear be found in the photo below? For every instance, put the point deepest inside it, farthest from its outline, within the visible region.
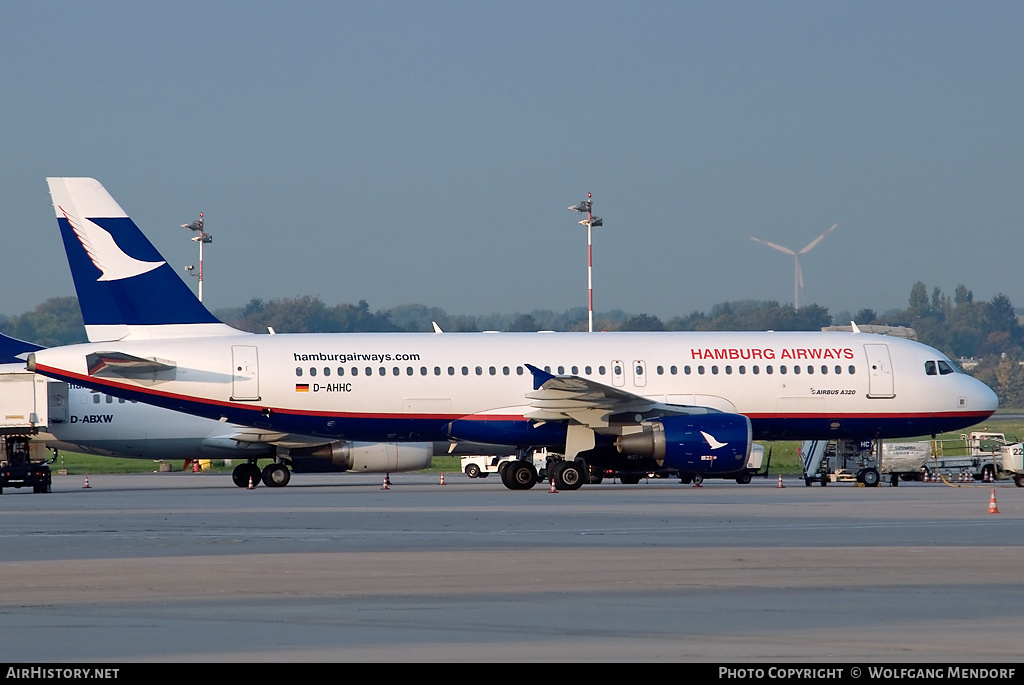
(273, 475)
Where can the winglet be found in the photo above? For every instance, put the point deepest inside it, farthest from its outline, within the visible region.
(853, 325)
(540, 377)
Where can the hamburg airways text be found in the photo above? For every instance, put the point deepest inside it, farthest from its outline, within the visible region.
(749, 353)
(355, 357)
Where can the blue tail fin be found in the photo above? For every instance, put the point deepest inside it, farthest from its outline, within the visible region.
(124, 286)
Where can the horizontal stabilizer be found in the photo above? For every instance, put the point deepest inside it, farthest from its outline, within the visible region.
(126, 365)
(13, 350)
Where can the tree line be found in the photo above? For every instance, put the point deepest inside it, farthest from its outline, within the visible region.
(986, 332)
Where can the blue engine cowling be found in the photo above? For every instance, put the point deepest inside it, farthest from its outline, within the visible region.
(697, 443)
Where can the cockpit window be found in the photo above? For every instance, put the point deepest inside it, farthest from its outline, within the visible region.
(929, 368)
(945, 368)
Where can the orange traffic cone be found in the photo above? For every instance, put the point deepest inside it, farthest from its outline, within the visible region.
(442, 478)
(993, 508)
(780, 485)
(195, 466)
(86, 486)
(553, 490)
(251, 486)
(385, 486)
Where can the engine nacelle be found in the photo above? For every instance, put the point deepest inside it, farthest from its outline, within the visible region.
(371, 457)
(699, 443)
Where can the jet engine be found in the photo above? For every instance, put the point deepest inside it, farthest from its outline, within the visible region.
(698, 443)
(368, 457)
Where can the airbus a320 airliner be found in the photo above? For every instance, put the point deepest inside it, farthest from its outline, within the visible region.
(629, 402)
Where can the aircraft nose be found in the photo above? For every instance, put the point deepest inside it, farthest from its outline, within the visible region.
(982, 397)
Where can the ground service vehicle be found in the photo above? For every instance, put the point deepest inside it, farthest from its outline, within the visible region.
(23, 409)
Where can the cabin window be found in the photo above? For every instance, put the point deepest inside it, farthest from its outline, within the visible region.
(408, 371)
(686, 370)
(743, 370)
(298, 370)
(110, 400)
(700, 369)
(769, 370)
(600, 371)
(575, 370)
(423, 371)
(587, 370)
(465, 370)
(824, 369)
(395, 371)
(852, 369)
(561, 370)
(505, 370)
(756, 369)
(491, 370)
(327, 371)
(95, 399)
(341, 370)
(839, 369)
(783, 369)
(519, 371)
(661, 370)
(451, 370)
(672, 370)
(312, 372)
(355, 370)
(479, 371)
(728, 370)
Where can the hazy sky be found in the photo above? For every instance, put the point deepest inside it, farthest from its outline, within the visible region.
(404, 152)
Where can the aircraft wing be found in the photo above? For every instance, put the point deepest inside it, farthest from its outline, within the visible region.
(592, 404)
(289, 440)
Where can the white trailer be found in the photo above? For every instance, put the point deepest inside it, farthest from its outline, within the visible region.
(1013, 462)
(24, 409)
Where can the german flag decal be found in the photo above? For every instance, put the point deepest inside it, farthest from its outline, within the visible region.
(302, 387)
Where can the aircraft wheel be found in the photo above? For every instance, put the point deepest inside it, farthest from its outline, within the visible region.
(521, 476)
(241, 474)
(276, 475)
(743, 479)
(568, 476)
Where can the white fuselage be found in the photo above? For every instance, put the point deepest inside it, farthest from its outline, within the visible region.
(429, 386)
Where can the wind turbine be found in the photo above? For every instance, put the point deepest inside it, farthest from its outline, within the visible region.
(798, 276)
